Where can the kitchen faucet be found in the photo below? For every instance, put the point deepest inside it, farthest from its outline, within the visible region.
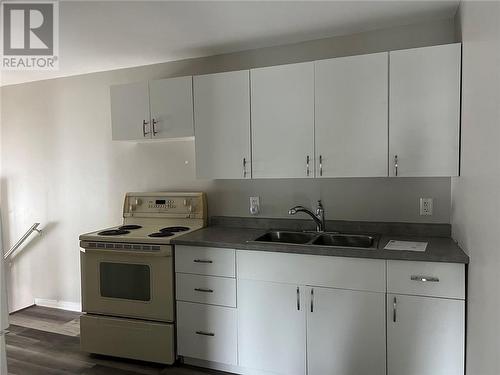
(318, 217)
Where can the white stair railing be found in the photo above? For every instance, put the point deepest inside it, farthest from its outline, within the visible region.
(34, 228)
(4, 324)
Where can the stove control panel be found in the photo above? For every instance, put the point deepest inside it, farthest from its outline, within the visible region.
(180, 205)
(162, 203)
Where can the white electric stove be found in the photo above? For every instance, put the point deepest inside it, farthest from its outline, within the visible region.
(128, 277)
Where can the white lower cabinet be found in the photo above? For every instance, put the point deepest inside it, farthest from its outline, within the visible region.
(345, 332)
(271, 327)
(206, 301)
(425, 335)
(207, 332)
(292, 314)
(344, 329)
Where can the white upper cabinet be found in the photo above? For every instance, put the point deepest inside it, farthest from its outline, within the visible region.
(152, 110)
(384, 114)
(171, 102)
(222, 125)
(130, 112)
(283, 121)
(424, 115)
(345, 332)
(351, 116)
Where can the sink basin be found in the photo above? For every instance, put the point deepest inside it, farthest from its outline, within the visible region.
(286, 237)
(360, 241)
(345, 240)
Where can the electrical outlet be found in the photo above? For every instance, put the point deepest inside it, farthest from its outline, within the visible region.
(426, 206)
(254, 205)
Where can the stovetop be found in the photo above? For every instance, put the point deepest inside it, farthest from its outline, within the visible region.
(160, 233)
(155, 218)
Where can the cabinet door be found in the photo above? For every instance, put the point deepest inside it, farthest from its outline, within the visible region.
(130, 112)
(222, 125)
(345, 332)
(425, 335)
(424, 117)
(271, 327)
(351, 120)
(283, 121)
(171, 103)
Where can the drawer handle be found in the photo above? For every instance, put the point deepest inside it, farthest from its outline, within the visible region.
(394, 309)
(205, 333)
(202, 261)
(424, 279)
(204, 290)
(312, 300)
(298, 298)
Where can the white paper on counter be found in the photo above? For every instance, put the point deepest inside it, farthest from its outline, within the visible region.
(406, 245)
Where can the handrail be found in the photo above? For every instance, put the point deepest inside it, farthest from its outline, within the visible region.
(34, 228)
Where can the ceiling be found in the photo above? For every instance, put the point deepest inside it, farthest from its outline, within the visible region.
(105, 35)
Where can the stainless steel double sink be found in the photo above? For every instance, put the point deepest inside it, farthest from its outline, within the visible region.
(332, 239)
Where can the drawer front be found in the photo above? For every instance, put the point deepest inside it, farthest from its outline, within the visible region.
(207, 332)
(334, 272)
(128, 338)
(432, 279)
(206, 289)
(205, 260)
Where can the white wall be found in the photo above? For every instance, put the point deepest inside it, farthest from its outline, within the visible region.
(60, 167)
(476, 193)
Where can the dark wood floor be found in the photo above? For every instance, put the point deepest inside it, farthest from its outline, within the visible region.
(34, 347)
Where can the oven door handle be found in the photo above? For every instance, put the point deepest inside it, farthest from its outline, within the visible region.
(203, 333)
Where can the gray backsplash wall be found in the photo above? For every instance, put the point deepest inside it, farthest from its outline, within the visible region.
(60, 167)
(368, 199)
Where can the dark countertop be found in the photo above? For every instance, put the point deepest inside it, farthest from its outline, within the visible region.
(439, 249)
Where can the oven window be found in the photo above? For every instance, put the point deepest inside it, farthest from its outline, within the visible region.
(125, 281)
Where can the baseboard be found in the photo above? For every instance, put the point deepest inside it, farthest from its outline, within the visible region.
(21, 309)
(63, 305)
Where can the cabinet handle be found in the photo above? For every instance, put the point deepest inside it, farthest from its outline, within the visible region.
(204, 290)
(144, 132)
(307, 165)
(298, 299)
(312, 300)
(394, 302)
(205, 333)
(154, 127)
(202, 261)
(424, 279)
(396, 165)
(321, 165)
(244, 168)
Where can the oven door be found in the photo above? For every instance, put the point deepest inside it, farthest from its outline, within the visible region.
(128, 284)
